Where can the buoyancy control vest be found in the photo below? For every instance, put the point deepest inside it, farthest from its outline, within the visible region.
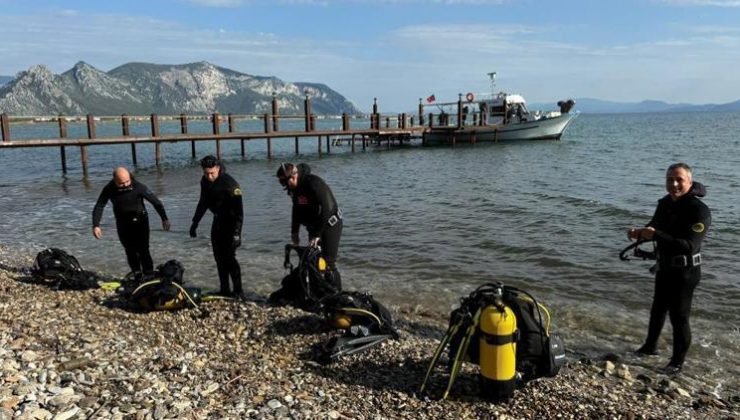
(306, 285)
(347, 310)
(61, 270)
(531, 350)
(164, 292)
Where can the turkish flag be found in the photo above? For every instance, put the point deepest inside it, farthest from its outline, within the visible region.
(431, 99)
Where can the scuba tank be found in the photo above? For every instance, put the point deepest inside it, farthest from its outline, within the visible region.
(341, 321)
(497, 343)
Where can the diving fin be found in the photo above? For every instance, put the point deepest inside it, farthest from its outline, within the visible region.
(110, 285)
(345, 346)
(214, 295)
(451, 331)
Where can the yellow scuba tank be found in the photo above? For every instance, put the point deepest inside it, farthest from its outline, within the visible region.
(177, 302)
(341, 321)
(497, 352)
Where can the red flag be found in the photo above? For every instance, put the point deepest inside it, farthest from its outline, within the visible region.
(431, 99)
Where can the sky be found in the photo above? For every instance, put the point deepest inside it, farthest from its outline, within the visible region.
(398, 51)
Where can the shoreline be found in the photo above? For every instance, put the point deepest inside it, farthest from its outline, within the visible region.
(76, 354)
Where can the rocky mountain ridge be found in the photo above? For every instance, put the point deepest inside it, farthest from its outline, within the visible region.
(600, 106)
(144, 88)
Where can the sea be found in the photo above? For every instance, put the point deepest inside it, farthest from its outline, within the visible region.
(426, 226)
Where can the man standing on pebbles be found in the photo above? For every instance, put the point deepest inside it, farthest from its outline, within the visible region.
(678, 226)
(221, 194)
(132, 221)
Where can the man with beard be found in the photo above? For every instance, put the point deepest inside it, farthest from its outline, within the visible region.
(132, 220)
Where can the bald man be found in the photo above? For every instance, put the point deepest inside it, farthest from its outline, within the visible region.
(132, 221)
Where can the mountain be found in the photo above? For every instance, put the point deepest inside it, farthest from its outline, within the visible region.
(5, 79)
(143, 88)
(599, 106)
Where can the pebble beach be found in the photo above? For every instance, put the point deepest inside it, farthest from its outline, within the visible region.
(82, 354)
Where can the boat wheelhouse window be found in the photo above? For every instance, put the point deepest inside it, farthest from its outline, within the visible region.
(497, 110)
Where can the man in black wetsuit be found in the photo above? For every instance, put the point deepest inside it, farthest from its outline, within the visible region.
(221, 194)
(678, 226)
(315, 208)
(132, 221)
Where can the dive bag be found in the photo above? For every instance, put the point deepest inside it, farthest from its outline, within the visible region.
(307, 284)
(481, 328)
(62, 270)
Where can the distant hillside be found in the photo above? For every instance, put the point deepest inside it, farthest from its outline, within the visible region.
(598, 106)
(143, 88)
(5, 79)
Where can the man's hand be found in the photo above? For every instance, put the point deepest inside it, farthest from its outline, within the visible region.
(314, 242)
(97, 232)
(165, 225)
(237, 241)
(646, 233)
(632, 234)
(193, 230)
(295, 239)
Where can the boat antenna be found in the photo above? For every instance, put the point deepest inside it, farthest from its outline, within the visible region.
(492, 76)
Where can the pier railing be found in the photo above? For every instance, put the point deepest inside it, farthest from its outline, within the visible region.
(82, 131)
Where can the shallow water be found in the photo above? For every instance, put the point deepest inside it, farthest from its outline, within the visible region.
(427, 225)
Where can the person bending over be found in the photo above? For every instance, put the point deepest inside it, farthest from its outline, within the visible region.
(132, 222)
(315, 208)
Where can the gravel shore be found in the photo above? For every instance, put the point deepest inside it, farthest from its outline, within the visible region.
(74, 355)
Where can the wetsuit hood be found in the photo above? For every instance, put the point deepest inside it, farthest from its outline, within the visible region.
(698, 189)
(303, 171)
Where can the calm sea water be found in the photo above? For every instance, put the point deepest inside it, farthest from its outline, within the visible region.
(425, 226)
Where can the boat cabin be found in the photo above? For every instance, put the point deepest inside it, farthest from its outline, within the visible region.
(504, 108)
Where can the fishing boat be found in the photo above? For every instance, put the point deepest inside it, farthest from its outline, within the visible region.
(496, 117)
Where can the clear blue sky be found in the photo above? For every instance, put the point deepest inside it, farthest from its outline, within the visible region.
(403, 50)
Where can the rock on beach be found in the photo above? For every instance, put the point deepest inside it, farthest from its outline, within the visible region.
(79, 354)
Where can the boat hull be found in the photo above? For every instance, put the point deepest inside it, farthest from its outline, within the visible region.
(542, 129)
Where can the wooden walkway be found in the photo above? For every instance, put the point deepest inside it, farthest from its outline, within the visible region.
(388, 129)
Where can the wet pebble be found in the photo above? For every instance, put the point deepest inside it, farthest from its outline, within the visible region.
(249, 361)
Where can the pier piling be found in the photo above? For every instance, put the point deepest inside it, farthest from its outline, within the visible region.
(275, 115)
(5, 127)
(155, 133)
(62, 134)
(217, 130)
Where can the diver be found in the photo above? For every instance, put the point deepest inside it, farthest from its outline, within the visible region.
(221, 194)
(314, 207)
(678, 227)
(132, 222)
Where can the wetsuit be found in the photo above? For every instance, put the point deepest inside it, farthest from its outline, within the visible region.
(680, 226)
(315, 208)
(223, 198)
(132, 221)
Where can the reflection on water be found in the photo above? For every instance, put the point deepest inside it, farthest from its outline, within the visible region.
(428, 225)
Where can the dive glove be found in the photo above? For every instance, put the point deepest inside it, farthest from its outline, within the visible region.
(193, 229)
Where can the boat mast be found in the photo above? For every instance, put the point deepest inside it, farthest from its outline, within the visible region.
(492, 76)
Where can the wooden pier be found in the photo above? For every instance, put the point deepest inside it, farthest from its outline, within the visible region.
(388, 129)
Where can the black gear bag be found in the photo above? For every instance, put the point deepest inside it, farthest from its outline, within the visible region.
(61, 270)
(307, 284)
